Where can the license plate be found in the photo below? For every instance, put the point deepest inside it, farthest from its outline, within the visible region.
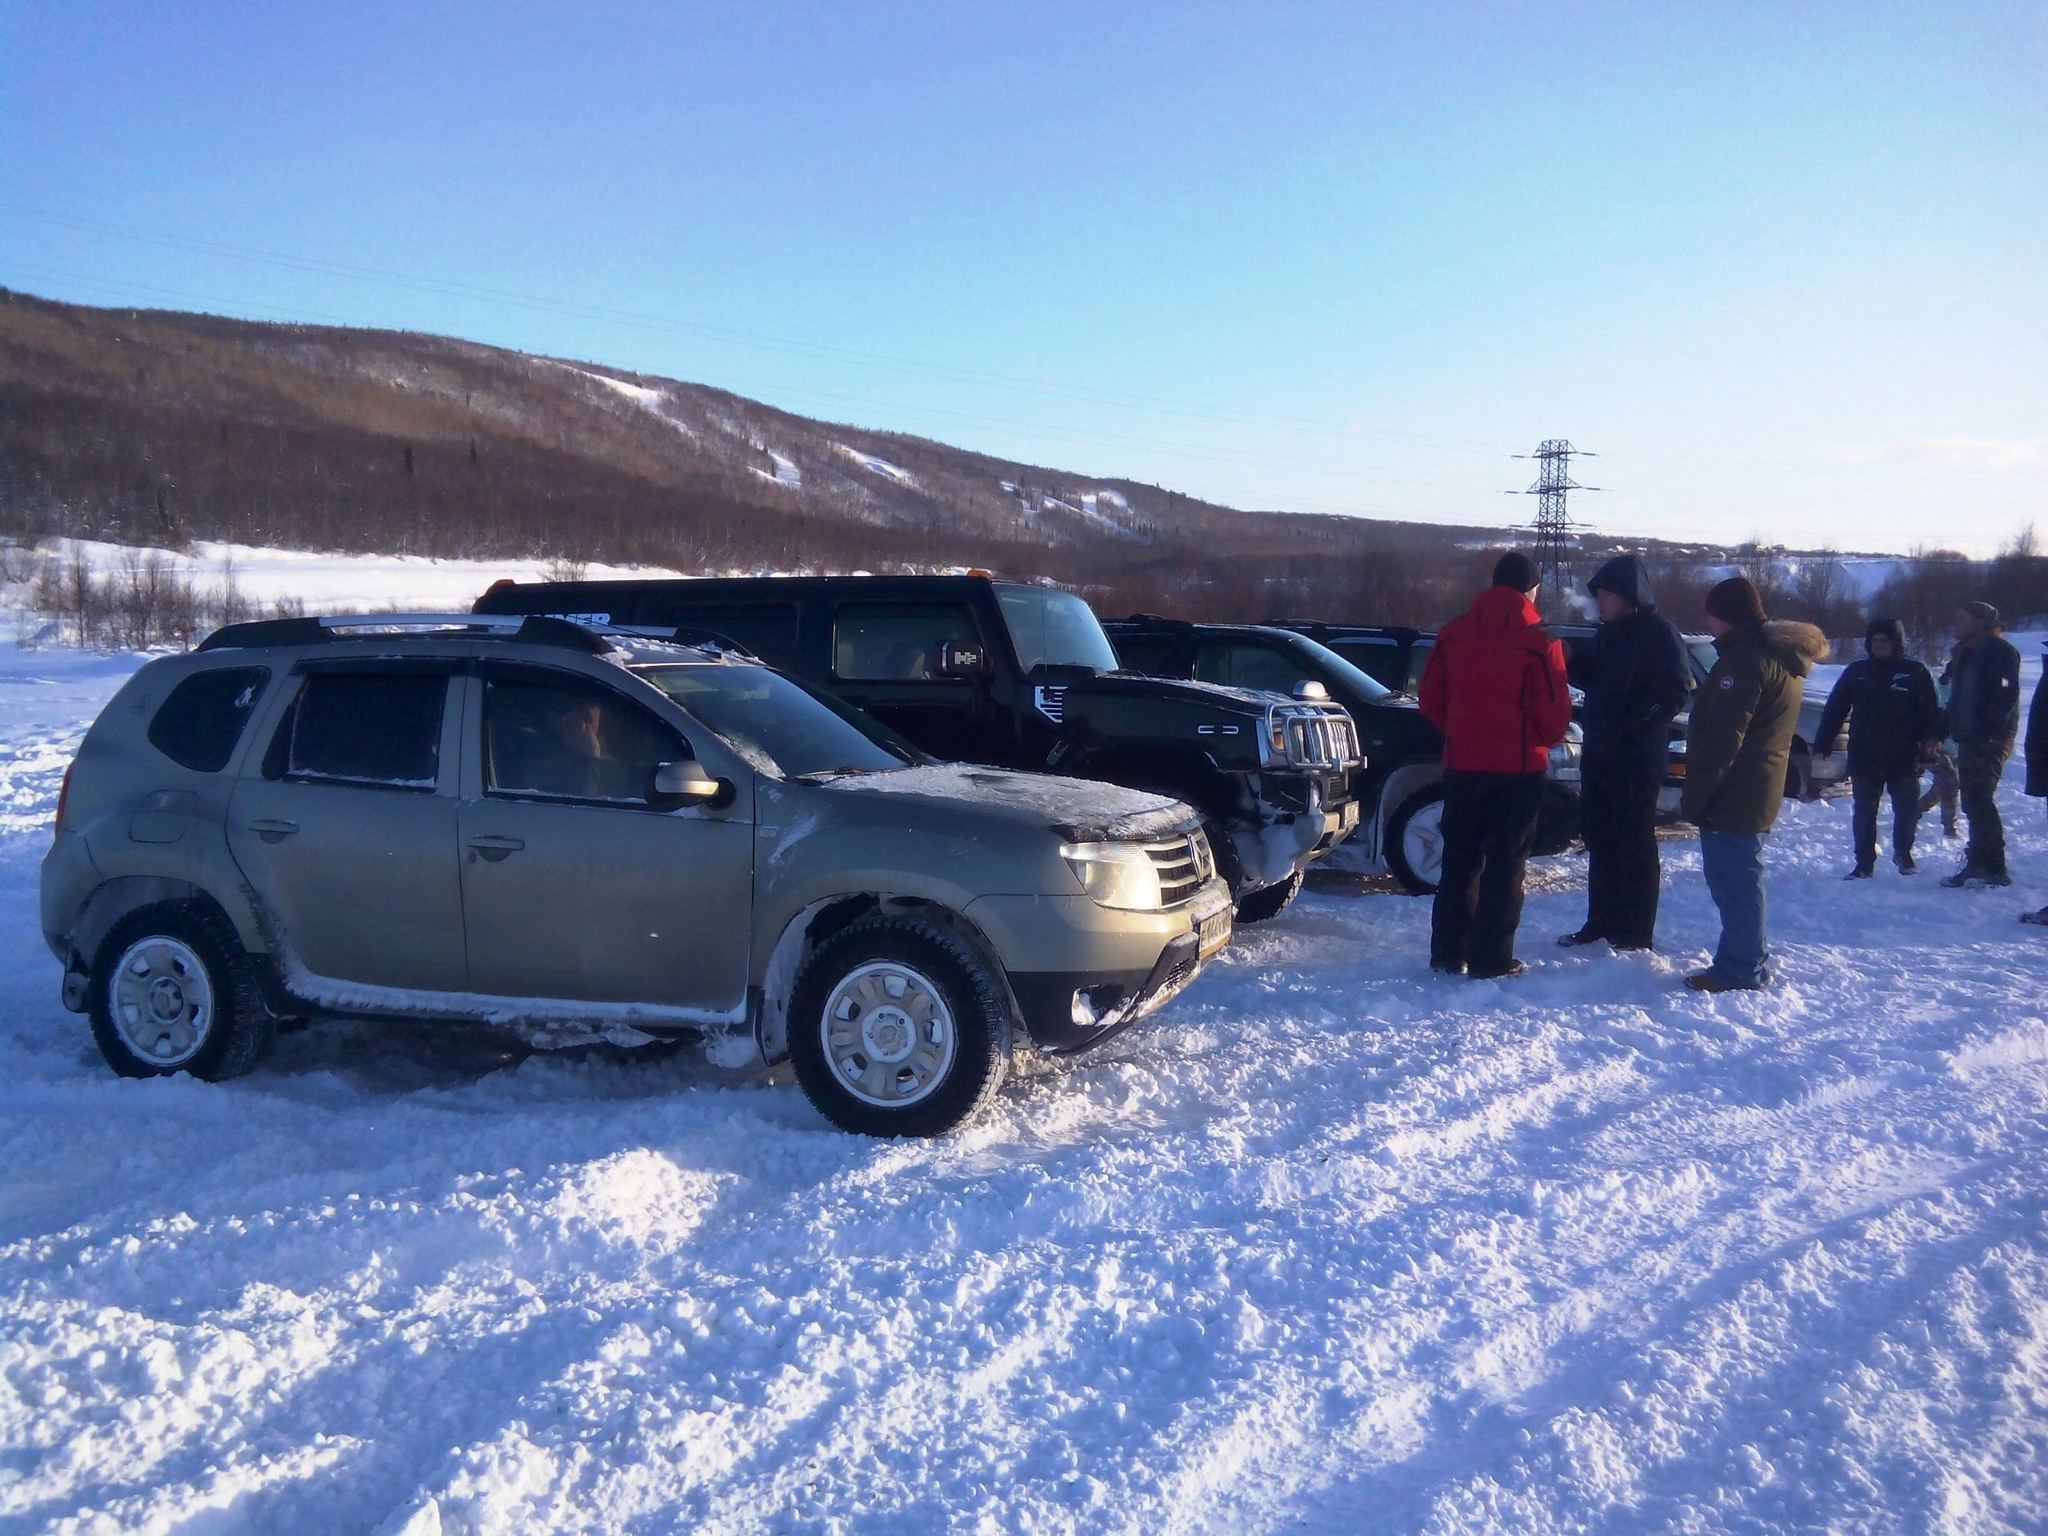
(1212, 933)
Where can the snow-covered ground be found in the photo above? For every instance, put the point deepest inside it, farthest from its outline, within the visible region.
(1330, 1245)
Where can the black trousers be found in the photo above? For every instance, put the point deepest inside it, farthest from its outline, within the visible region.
(1618, 819)
(1903, 786)
(1489, 825)
(1980, 765)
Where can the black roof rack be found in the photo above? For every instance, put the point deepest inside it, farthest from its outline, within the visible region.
(526, 629)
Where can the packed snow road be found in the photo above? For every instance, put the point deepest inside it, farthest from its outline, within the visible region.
(1331, 1245)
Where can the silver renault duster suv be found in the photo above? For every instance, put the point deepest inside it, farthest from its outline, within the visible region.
(577, 831)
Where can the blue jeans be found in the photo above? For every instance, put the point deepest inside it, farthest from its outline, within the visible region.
(1735, 878)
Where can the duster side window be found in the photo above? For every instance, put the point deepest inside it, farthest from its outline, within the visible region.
(198, 725)
(566, 739)
(372, 730)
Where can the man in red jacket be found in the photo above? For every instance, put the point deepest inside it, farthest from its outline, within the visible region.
(1495, 686)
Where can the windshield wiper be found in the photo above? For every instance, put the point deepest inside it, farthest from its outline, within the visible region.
(849, 771)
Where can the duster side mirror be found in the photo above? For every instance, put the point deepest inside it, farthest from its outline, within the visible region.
(686, 783)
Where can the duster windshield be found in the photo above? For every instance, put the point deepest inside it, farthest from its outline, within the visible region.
(769, 718)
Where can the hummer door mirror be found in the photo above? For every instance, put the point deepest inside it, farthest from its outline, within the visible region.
(963, 658)
(686, 783)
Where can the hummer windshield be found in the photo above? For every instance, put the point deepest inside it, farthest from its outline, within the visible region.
(1050, 628)
(769, 718)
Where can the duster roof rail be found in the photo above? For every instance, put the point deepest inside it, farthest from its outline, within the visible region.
(527, 629)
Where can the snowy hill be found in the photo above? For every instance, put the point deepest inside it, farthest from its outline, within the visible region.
(158, 427)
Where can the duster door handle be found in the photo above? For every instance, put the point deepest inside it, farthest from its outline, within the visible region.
(495, 848)
(273, 830)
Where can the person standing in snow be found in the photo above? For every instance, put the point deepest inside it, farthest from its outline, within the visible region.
(1495, 686)
(1888, 700)
(1639, 683)
(1737, 751)
(2037, 763)
(1946, 791)
(1983, 721)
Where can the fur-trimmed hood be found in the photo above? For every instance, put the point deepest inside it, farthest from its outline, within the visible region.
(1799, 647)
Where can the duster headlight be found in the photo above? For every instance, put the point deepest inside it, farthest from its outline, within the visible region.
(1119, 875)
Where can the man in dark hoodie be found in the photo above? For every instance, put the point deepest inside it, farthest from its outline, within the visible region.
(1639, 682)
(1983, 721)
(1894, 719)
(1737, 749)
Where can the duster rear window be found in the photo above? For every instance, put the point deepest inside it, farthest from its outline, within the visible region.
(198, 725)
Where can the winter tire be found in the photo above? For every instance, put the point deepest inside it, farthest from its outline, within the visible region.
(1264, 905)
(1415, 841)
(1799, 775)
(899, 1027)
(1224, 852)
(171, 991)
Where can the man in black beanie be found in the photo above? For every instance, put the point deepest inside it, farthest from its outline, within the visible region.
(1495, 686)
(1639, 680)
(1894, 719)
(1984, 723)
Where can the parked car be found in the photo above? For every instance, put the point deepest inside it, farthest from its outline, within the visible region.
(972, 669)
(1400, 793)
(1396, 656)
(1392, 655)
(575, 830)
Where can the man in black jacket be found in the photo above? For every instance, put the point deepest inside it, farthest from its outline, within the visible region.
(1983, 720)
(1894, 719)
(1640, 680)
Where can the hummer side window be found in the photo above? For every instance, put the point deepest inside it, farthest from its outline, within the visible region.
(897, 642)
(1239, 665)
(1378, 659)
(1579, 662)
(378, 729)
(767, 630)
(571, 741)
(1148, 656)
(1418, 662)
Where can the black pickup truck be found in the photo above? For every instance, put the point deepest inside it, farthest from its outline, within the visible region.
(1021, 676)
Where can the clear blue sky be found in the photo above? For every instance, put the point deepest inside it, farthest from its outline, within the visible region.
(1783, 266)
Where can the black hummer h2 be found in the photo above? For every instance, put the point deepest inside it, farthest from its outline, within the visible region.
(1018, 676)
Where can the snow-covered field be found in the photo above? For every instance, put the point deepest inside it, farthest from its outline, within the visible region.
(1331, 1245)
(327, 581)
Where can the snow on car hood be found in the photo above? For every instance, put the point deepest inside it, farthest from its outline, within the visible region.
(1076, 807)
